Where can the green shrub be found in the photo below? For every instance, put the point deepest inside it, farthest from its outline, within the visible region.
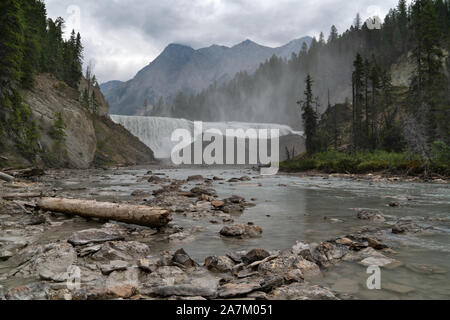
(441, 152)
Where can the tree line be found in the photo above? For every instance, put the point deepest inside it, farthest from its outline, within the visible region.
(31, 43)
(350, 101)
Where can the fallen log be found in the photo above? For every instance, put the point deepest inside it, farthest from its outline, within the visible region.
(6, 177)
(14, 196)
(153, 217)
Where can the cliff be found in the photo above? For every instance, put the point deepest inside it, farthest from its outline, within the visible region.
(90, 139)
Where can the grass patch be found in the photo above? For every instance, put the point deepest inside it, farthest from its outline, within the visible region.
(366, 162)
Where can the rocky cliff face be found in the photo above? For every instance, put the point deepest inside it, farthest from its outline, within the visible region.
(89, 138)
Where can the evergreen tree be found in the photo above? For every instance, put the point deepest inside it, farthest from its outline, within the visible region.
(11, 40)
(333, 35)
(309, 117)
(358, 101)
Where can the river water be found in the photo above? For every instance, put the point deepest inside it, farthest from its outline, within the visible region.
(291, 208)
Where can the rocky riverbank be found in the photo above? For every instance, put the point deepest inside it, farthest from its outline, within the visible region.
(47, 255)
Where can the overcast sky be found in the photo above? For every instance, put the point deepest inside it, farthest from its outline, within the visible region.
(123, 36)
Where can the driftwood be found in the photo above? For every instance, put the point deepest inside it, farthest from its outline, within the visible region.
(6, 177)
(154, 217)
(14, 196)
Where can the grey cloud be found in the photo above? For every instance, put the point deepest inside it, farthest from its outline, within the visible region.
(123, 36)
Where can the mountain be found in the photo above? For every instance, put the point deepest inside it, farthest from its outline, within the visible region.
(107, 86)
(180, 68)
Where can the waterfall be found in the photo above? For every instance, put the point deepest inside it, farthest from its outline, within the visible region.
(156, 132)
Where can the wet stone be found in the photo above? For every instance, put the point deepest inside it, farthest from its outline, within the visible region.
(397, 288)
(370, 215)
(238, 289)
(220, 264)
(255, 255)
(425, 269)
(181, 258)
(94, 236)
(33, 291)
(241, 231)
(186, 290)
(115, 265)
(300, 291)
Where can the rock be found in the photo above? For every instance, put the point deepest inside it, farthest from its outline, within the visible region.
(303, 249)
(378, 261)
(376, 244)
(49, 263)
(255, 255)
(185, 290)
(200, 191)
(181, 258)
(220, 264)
(89, 250)
(218, 204)
(241, 231)
(5, 255)
(402, 227)
(149, 264)
(129, 276)
(374, 216)
(394, 204)
(300, 291)
(397, 288)
(123, 291)
(155, 179)
(84, 237)
(165, 276)
(237, 289)
(291, 267)
(217, 178)
(115, 265)
(235, 199)
(121, 250)
(344, 241)
(195, 178)
(33, 291)
(333, 220)
(425, 269)
(327, 253)
(258, 295)
(36, 220)
(245, 178)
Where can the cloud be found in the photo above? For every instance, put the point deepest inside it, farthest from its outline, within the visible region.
(123, 36)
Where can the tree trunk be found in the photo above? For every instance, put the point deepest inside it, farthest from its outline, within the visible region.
(153, 217)
(6, 177)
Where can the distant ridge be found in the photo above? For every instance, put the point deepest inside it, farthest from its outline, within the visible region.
(180, 68)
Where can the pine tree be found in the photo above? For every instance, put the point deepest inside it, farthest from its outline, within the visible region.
(309, 117)
(358, 101)
(333, 35)
(428, 94)
(11, 40)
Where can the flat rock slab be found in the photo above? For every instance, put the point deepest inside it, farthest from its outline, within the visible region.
(425, 269)
(185, 290)
(84, 237)
(301, 291)
(232, 290)
(397, 288)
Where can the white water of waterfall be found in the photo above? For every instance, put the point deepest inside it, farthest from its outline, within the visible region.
(156, 132)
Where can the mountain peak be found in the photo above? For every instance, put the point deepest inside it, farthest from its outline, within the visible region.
(247, 42)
